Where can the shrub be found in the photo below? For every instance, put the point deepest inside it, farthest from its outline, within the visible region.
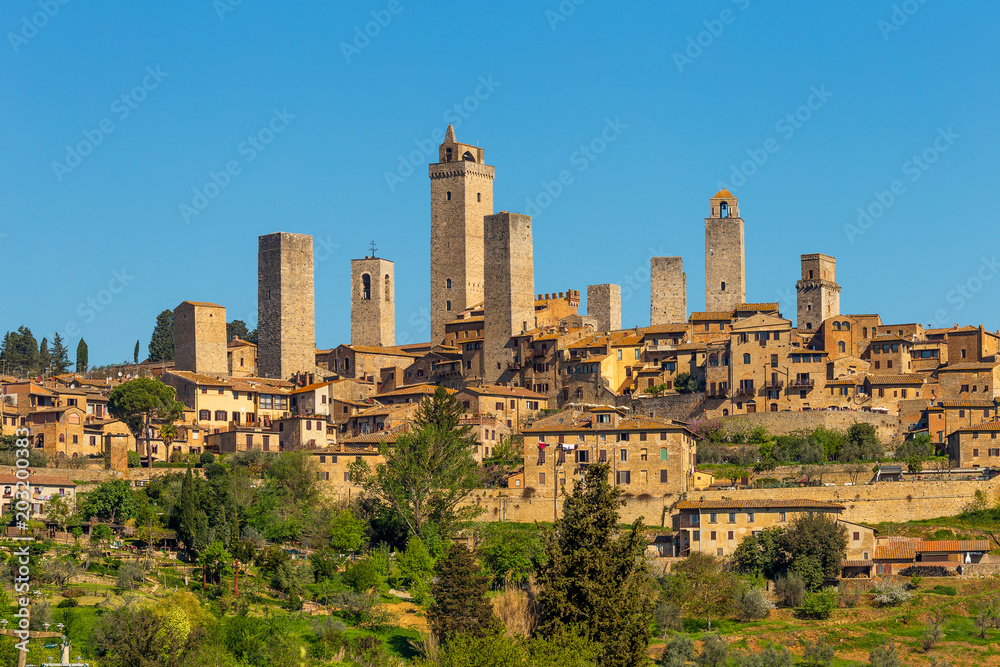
(529, 492)
(73, 593)
(362, 575)
(133, 459)
(850, 599)
(206, 458)
(915, 583)
(714, 652)
(884, 655)
(818, 653)
(944, 590)
(678, 653)
(927, 571)
(68, 602)
(790, 589)
(753, 604)
(890, 593)
(821, 603)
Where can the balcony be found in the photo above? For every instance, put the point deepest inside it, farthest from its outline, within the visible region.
(803, 383)
(745, 391)
(690, 522)
(513, 366)
(774, 384)
(661, 348)
(721, 392)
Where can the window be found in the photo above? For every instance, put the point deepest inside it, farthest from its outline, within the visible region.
(781, 516)
(729, 536)
(664, 476)
(712, 535)
(713, 517)
(732, 518)
(447, 284)
(602, 456)
(663, 453)
(857, 536)
(623, 456)
(582, 456)
(750, 517)
(723, 286)
(619, 355)
(696, 536)
(220, 415)
(447, 305)
(642, 454)
(975, 452)
(624, 477)
(222, 390)
(541, 479)
(204, 414)
(841, 346)
(448, 196)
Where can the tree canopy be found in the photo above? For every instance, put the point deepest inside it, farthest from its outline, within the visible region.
(141, 401)
(161, 343)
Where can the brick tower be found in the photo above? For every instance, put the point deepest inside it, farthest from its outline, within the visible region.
(668, 290)
(510, 292)
(200, 338)
(461, 196)
(373, 301)
(818, 291)
(286, 305)
(725, 268)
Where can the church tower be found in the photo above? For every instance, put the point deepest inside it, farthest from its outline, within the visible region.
(373, 307)
(725, 268)
(461, 197)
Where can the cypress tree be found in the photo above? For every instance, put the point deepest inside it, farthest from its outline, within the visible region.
(595, 580)
(82, 362)
(135, 353)
(460, 606)
(161, 343)
(44, 358)
(60, 356)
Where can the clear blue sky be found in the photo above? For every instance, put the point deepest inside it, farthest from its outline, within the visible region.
(68, 222)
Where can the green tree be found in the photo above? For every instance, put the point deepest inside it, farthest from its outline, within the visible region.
(161, 343)
(884, 655)
(820, 604)
(138, 402)
(862, 444)
(347, 532)
(20, 352)
(135, 353)
(60, 511)
(685, 383)
(237, 328)
(703, 586)
(760, 555)
(510, 554)
(60, 356)
(460, 606)
(595, 578)
(81, 357)
(192, 524)
(416, 565)
(111, 501)
(815, 545)
(818, 653)
(428, 472)
(44, 356)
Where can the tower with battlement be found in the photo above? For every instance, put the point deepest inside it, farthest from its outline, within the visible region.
(818, 291)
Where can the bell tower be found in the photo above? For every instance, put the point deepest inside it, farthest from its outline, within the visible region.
(461, 197)
(725, 267)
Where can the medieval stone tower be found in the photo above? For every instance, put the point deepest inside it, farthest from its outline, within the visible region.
(818, 291)
(373, 302)
(604, 304)
(725, 269)
(667, 291)
(461, 196)
(200, 338)
(286, 305)
(510, 292)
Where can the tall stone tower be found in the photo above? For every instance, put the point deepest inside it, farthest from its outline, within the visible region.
(200, 338)
(510, 291)
(461, 196)
(818, 291)
(286, 305)
(604, 304)
(667, 290)
(725, 269)
(373, 302)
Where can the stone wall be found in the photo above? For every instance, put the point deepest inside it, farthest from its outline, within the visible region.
(783, 423)
(373, 310)
(682, 407)
(509, 291)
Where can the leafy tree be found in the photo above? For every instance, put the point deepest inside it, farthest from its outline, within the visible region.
(361, 575)
(60, 356)
(818, 653)
(135, 353)
(703, 586)
(112, 501)
(820, 604)
(678, 653)
(790, 589)
(161, 343)
(862, 444)
(237, 328)
(760, 555)
(884, 655)
(252, 337)
(129, 575)
(753, 604)
(138, 402)
(460, 606)
(130, 636)
(81, 357)
(347, 532)
(714, 652)
(595, 578)
(20, 351)
(685, 383)
(60, 511)
(428, 472)
(510, 554)
(415, 568)
(815, 545)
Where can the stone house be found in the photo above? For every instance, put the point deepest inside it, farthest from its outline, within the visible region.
(513, 406)
(42, 488)
(975, 446)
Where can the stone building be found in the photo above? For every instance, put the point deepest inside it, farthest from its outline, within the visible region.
(200, 338)
(818, 291)
(668, 290)
(242, 358)
(509, 292)
(975, 446)
(461, 197)
(604, 304)
(725, 268)
(286, 306)
(373, 302)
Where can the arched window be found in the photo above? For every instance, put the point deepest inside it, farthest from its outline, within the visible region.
(725, 412)
(366, 286)
(836, 326)
(62, 437)
(842, 346)
(447, 155)
(449, 195)
(467, 156)
(713, 359)
(387, 298)
(723, 210)
(447, 283)
(847, 326)
(746, 358)
(723, 285)
(479, 196)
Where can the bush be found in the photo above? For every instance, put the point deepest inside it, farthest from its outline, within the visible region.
(714, 652)
(943, 590)
(818, 653)
(753, 604)
(206, 458)
(884, 655)
(133, 459)
(927, 571)
(529, 492)
(790, 589)
(915, 583)
(890, 593)
(678, 653)
(362, 575)
(73, 593)
(821, 603)
(68, 602)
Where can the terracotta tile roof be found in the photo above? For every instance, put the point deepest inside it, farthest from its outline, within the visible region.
(857, 563)
(969, 366)
(552, 336)
(388, 351)
(741, 307)
(422, 389)
(462, 320)
(589, 341)
(952, 546)
(890, 338)
(202, 303)
(309, 387)
(197, 378)
(798, 503)
(967, 404)
(493, 390)
(368, 438)
(896, 551)
(239, 342)
(692, 347)
(902, 378)
(43, 480)
(634, 339)
(694, 317)
(664, 328)
(841, 382)
(979, 428)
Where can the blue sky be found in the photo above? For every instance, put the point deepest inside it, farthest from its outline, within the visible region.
(96, 240)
